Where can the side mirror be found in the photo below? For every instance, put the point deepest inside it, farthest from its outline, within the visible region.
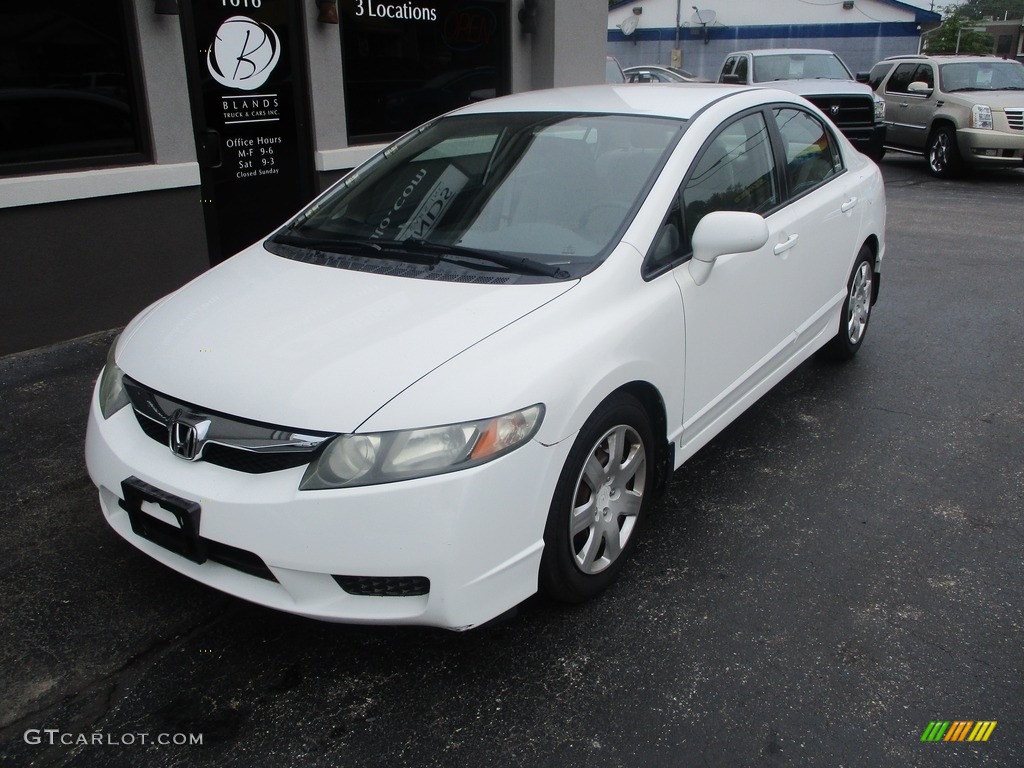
(863, 77)
(722, 232)
(732, 79)
(921, 87)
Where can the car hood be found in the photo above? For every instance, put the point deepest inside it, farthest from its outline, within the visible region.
(994, 99)
(816, 86)
(307, 346)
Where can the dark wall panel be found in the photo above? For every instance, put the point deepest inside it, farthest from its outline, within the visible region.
(72, 268)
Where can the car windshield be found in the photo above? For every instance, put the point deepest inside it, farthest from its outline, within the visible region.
(795, 66)
(982, 76)
(540, 194)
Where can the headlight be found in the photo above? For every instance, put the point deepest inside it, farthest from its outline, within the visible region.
(981, 116)
(385, 457)
(879, 108)
(112, 395)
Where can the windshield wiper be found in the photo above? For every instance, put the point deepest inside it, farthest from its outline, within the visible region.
(372, 248)
(521, 264)
(328, 244)
(417, 251)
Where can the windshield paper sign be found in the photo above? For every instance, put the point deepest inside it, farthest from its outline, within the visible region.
(434, 204)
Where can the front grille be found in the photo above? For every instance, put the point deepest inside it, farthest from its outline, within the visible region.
(1015, 117)
(233, 443)
(384, 586)
(852, 110)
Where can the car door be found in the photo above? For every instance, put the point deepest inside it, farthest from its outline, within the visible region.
(822, 219)
(741, 316)
(908, 114)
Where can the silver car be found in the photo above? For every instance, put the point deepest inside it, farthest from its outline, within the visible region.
(955, 110)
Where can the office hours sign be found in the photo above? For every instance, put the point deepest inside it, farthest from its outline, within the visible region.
(245, 61)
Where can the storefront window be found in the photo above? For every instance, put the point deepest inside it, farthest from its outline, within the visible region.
(406, 62)
(68, 95)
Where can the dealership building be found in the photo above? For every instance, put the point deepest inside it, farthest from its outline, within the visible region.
(142, 141)
(698, 38)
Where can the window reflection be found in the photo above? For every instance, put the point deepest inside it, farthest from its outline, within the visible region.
(67, 94)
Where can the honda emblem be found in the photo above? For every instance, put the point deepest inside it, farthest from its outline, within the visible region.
(186, 434)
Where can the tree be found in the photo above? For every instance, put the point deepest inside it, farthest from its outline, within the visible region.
(957, 33)
(996, 9)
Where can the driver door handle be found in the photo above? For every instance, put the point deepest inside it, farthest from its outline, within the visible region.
(786, 244)
(849, 204)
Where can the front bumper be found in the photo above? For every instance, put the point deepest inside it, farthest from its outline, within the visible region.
(990, 147)
(476, 535)
(869, 140)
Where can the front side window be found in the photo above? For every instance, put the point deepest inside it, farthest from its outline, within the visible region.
(551, 188)
(68, 95)
(812, 156)
(735, 172)
(741, 68)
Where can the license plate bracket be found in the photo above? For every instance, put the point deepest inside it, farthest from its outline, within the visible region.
(183, 540)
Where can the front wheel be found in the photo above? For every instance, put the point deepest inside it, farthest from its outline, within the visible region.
(598, 503)
(943, 153)
(856, 309)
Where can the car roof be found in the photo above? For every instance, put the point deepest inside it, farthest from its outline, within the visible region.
(946, 58)
(776, 51)
(666, 100)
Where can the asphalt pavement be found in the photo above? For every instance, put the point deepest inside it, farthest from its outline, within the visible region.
(837, 570)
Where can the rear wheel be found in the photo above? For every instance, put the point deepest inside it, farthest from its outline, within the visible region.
(856, 309)
(943, 153)
(599, 501)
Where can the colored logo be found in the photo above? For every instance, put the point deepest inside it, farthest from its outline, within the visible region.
(958, 730)
(243, 54)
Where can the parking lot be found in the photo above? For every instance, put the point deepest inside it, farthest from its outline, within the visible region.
(836, 570)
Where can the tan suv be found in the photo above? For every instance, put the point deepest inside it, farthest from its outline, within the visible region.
(954, 110)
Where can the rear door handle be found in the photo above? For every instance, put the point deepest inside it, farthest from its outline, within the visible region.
(849, 205)
(786, 244)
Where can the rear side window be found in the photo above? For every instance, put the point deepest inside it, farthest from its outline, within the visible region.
(812, 156)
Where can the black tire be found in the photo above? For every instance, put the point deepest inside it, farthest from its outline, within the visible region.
(860, 295)
(614, 451)
(943, 153)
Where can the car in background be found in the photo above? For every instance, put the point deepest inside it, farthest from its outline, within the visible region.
(462, 373)
(658, 74)
(822, 78)
(957, 111)
(613, 70)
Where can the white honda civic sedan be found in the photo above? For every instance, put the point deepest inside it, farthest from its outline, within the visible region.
(462, 373)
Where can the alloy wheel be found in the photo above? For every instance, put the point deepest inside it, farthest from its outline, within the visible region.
(859, 303)
(608, 498)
